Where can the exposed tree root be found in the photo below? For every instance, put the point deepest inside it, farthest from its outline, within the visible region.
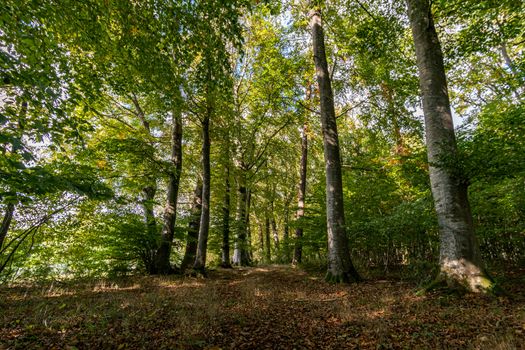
(344, 277)
(449, 283)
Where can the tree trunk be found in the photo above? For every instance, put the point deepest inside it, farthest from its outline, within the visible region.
(6, 222)
(151, 225)
(298, 251)
(240, 254)
(200, 259)
(340, 266)
(275, 234)
(247, 224)
(193, 228)
(261, 239)
(225, 256)
(460, 259)
(162, 257)
(267, 236)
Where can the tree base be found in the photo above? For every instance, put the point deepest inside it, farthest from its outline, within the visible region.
(226, 266)
(344, 277)
(482, 284)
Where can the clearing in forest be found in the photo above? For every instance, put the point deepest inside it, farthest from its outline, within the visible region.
(271, 307)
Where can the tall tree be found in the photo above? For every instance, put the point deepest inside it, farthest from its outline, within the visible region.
(340, 266)
(193, 228)
(162, 258)
(225, 248)
(204, 226)
(298, 249)
(460, 258)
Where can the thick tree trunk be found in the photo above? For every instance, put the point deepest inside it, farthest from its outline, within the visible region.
(340, 266)
(202, 246)
(225, 254)
(6, 222)
(298, 250)
(193, 228)
(460, 259)
(162, 257)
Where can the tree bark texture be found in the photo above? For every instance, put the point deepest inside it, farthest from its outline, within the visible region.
(298, 249)
(340, 266)
(460, 259)
(202, 246)
(162, 258)
(267, 239)
(240, 254)
(6, 222)
(193, 228)
(225, 249)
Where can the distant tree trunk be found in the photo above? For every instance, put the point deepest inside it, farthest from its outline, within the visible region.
(162, 257)
(460, 258)
(6, 222)
(193, 228)
(225, 256)
(148, 204)
(240, 254)
(298, 251)
(275, 234)
(200, 260)
(248, 226)
(267, 236)
(286, 231)
(151, 225)
(261, 239)
(340, 266)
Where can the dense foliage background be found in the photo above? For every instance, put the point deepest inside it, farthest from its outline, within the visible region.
(89, 89)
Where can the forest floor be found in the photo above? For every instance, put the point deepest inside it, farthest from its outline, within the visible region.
(271, 307)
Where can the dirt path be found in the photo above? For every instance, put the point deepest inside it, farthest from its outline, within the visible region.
(274, 307)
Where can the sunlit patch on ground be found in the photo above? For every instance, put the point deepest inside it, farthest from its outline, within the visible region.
(265, 307)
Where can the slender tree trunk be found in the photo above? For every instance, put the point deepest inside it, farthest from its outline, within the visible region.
(225, 256)
(6, 222)
(286, 231)
(275, 234)
(193, 228)
(247, 224)
(200, 260)
(148, 204)
(460, 258)
(151, 224)
(267, 236)
(298, 251)
(261, 239)
(162, 257)
(340, 266)
(240, 256)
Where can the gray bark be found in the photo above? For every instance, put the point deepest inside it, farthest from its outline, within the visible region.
(240, 253)
(225, 251)
(460, 259)
(298, 250)
(162, 257)
(193, 228)
(340, 266)
(267, 236)
(202, 246)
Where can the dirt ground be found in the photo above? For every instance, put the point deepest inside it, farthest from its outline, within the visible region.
(271, 307)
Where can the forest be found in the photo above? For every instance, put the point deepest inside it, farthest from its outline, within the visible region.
(262, 174)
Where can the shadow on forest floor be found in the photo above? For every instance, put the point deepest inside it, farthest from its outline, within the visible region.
(274, 307)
